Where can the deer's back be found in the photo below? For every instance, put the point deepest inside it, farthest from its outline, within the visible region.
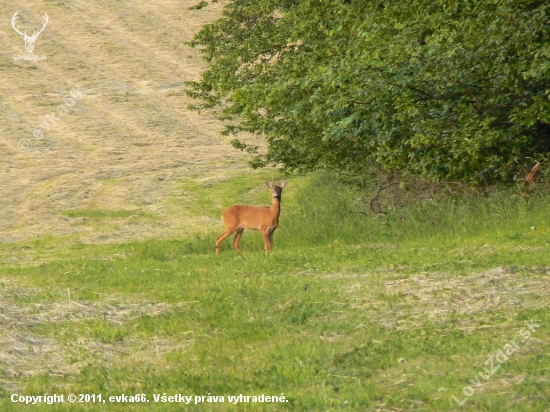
(249, 217)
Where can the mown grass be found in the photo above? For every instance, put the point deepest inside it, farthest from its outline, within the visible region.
(98, 214)
(440, 284)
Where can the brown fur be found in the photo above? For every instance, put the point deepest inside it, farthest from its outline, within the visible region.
(237, 218)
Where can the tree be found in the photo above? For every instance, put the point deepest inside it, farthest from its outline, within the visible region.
(444, 89)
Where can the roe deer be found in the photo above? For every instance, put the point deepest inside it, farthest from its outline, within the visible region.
(237, 218)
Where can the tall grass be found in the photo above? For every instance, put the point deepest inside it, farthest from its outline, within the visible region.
(324, 210)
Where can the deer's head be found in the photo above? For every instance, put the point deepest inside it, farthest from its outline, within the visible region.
(276, 190)
(29, 40)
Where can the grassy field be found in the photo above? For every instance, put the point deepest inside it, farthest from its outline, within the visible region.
(350, 312)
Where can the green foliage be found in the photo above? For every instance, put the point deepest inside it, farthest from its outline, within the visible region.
(199, 5)
(444, 89)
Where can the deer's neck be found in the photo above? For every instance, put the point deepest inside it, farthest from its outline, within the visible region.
(275, 207)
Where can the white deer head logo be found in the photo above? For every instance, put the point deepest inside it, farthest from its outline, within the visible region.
(29, 40)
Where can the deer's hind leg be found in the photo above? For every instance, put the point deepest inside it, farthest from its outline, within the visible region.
(238, 239)
(227, 232)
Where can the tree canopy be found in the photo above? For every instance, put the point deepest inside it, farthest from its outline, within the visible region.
(444, 89)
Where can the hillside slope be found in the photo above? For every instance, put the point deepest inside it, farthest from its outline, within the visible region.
(127, 145)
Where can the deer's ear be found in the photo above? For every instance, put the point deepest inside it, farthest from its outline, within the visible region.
(283, 184)
(269, 184)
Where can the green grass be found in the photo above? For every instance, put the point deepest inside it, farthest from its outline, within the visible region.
(325, 319)
(98, 214)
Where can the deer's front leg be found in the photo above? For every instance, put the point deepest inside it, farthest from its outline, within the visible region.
(265, 235)
(270, 232)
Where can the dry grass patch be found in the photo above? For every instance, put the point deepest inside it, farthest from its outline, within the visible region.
(130, 140)
(427, 298)
(25, 353)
